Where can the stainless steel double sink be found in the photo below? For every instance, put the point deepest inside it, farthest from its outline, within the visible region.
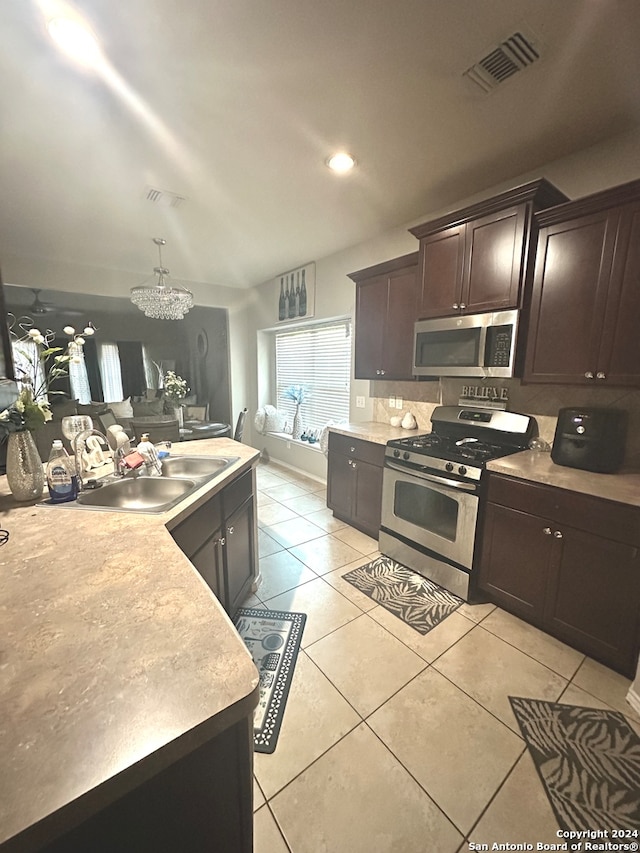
(181, 475)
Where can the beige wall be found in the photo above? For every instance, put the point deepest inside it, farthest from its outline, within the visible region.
(251, 311)
(607, 164)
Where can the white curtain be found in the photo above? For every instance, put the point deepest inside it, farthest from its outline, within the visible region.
(150, 371)
(109, 360)
(79, 380)
(28, 365)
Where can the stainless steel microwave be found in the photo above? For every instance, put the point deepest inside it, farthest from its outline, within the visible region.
(473, 345)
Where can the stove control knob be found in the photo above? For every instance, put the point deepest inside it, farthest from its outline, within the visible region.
(406, 454)
(448, 466)
(462, 470)
(396, 453)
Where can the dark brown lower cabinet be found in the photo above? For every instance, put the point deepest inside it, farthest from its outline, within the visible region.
(208, 561)
(220, 540)
(354, 482)
(238, 555)
(566, 562)
(515, 556)
(201, 803)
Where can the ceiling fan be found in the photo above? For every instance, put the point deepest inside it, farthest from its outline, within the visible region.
(39, 308)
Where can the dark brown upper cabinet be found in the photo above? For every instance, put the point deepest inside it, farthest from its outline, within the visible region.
(585, 307)
(386, 303)
(480, 258)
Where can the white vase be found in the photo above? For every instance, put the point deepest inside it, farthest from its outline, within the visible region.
(296, 432)
(25, 474)
(177, 411)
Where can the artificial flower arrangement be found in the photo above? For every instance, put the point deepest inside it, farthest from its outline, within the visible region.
(297, 393)
(175, 387)
(40, 366)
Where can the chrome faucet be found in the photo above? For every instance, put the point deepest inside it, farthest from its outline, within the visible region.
(79, 444)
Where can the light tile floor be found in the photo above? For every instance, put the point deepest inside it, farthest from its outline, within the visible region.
(394, 741)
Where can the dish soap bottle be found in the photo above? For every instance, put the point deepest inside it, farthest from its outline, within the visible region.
(152, 465)
(61, 475)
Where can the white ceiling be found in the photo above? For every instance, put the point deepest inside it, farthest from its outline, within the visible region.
(235, 104)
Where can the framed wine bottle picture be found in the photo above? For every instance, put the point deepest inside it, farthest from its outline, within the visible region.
(294, 294)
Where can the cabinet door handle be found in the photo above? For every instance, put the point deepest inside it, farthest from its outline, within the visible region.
(600, 375)
(557, 534)
(353, 465)
(462, 306)
(229, 531)
(588, 375)
(455, 305)
(377, 373)
(220, 541)
(352, 450)
(382, 372)
(546, 531)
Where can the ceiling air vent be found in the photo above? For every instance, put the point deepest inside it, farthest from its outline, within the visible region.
(163, 198)
(514, 54)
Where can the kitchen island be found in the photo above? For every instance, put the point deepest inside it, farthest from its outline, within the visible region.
(127, 695)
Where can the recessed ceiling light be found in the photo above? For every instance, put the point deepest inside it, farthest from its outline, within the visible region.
(341, 162)
(75, 39)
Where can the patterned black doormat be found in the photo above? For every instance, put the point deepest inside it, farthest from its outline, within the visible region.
(419, 602)
(273, 639)
(588, 761)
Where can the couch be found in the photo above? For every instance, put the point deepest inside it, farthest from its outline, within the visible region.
(102, 415)
(152, 406)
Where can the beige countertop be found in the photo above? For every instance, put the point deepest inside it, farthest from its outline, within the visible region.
(378, 433)
(115, 657)
(537, 467)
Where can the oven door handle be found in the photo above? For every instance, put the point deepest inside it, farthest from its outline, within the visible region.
(432, 478)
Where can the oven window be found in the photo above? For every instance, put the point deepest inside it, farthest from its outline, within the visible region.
(426, 508)
(448, 348)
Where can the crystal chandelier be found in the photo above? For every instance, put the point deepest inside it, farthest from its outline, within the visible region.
(162, 301)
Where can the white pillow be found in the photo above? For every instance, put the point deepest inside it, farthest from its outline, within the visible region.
(259, 421)
(123, 409)
(324, 436)
(273, 420)
(268, 419)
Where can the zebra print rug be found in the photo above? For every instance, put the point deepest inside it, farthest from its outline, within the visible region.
(419, 602)
(588, 761)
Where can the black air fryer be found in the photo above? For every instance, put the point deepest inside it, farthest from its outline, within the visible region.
(590, 438)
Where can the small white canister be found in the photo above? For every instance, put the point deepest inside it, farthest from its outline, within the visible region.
(409, 422)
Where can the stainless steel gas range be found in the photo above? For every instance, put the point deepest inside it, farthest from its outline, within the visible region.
(431, 490)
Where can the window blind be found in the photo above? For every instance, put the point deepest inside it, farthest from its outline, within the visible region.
(319, 358)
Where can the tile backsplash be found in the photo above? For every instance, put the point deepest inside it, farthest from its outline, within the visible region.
(541, 401)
